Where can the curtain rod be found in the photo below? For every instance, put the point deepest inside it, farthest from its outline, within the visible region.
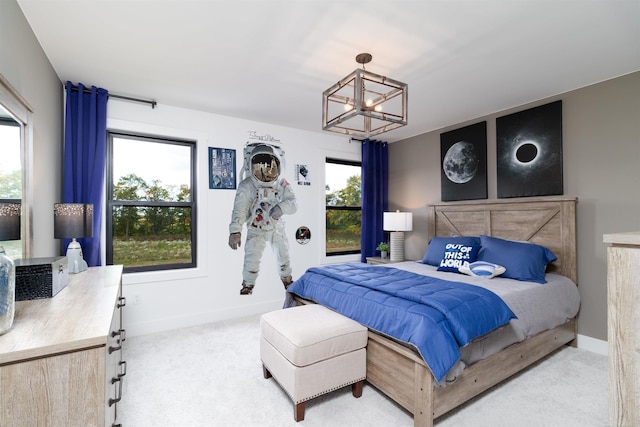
(126, 98)
(363, 140)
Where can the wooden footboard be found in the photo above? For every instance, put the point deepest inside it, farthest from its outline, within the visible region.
(401, 374)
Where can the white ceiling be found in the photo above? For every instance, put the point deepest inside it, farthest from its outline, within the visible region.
(269, 61)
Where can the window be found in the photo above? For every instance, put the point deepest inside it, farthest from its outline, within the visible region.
(151, 212)
(343, 194)
(10, 173)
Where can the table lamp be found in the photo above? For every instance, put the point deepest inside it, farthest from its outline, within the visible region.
(71, 221)
(9, 230)
(397, 223)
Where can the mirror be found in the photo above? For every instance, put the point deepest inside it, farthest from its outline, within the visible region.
(10, 171)
(16, 114)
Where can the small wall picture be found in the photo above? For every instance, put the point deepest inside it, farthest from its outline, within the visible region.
(222, 168)
(302, 175)
(303, 235)
(529, 152)
(463, 155)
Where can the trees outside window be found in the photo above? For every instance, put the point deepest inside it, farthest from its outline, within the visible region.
(343, 194)
(151, 213)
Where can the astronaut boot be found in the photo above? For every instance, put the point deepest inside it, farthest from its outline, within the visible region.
(286, 281)
(246, 289)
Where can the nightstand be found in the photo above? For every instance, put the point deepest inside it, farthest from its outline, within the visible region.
(378, 260)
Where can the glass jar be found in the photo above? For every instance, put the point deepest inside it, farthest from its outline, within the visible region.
(7, 291)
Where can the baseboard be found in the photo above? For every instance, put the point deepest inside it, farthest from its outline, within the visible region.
(593, 344)
(168, 324)
(194, 319)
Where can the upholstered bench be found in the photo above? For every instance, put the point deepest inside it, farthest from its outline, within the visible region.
(311, 350)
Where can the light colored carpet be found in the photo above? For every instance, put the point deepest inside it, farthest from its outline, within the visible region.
(211, 375)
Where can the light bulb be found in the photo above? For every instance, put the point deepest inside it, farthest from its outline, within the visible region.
(348, 107)
(369, 102)
(378, 108)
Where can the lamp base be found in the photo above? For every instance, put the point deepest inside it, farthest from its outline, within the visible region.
(77, 263)
(397, 246)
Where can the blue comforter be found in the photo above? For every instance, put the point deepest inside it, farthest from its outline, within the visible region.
(435, 316)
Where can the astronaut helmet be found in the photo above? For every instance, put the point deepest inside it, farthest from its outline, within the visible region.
(265, 165)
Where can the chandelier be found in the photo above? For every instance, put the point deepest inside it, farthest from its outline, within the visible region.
(364, 103)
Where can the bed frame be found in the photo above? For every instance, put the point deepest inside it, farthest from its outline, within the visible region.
(401, 374)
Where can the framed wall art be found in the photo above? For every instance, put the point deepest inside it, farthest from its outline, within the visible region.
(529, 152)
(302, 175)
(222, 168)
(463, 156)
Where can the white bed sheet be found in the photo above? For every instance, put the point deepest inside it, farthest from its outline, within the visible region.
(539, 307)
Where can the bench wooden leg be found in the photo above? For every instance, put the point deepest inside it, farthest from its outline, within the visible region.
(266, 372)
(298, 411)
(356, 389)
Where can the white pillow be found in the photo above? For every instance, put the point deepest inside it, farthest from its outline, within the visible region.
(482, 269)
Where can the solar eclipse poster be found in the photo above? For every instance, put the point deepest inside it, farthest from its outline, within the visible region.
(463, 155)
(529, 152)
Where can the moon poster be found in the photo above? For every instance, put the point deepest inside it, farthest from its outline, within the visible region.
(529, 152)
(463, 155)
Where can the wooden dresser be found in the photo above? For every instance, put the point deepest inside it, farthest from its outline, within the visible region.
(61, 363)
(623, 289)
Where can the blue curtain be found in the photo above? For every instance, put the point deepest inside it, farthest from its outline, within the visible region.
(85, 142)
(375, 177)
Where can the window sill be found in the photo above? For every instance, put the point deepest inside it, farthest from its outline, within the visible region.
(335, 259)
(163, 275)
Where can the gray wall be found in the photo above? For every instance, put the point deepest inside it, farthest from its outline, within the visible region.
(26, 67)
(601, 146)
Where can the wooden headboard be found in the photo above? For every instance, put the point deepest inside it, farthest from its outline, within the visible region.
(547, 221)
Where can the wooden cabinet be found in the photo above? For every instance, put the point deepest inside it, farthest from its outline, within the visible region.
(623, 290)
(61, 363)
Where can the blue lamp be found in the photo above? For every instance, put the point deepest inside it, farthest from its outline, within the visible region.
(71, 221)
(9, 230)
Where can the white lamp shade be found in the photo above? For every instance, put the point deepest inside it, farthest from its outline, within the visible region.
(397, 221)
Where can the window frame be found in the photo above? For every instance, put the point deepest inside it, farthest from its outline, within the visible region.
(192, 204)
(329, 208)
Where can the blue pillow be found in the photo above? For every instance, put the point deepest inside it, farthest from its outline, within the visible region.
(523, 261)
(435, 250)
(456, 255)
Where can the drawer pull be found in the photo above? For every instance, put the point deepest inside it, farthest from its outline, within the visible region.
(122, 333)
(119, 393)
(122, 301)
(123, 368)
(112, 349)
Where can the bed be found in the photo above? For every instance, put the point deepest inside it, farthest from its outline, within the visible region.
(400, 372)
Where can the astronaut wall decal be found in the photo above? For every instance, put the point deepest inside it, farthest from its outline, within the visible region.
(262, 198)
